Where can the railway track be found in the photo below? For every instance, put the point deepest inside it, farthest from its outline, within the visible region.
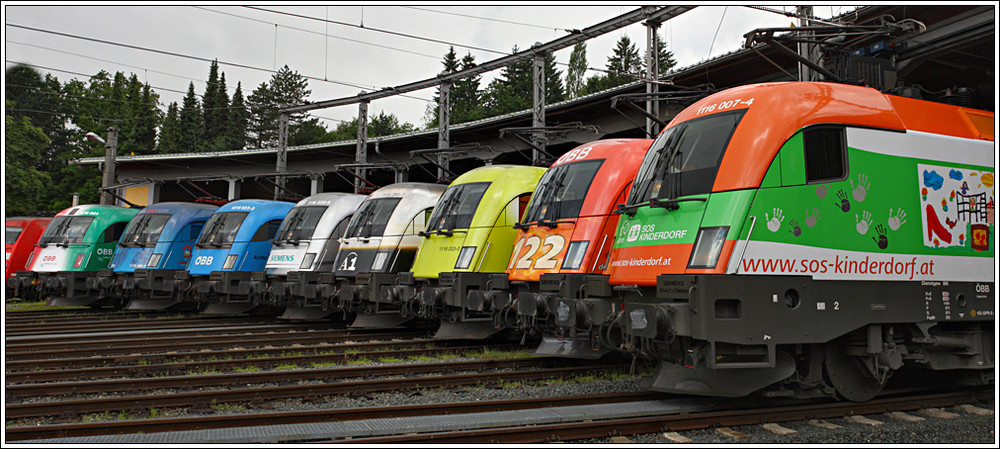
(98, 325)
(198, 397)
(17, 433)
(741, 412)
(146, 365)
(222, 339)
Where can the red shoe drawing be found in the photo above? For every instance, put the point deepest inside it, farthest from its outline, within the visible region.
(934, 226)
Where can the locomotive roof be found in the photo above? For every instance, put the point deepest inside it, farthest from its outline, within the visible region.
(778, 110)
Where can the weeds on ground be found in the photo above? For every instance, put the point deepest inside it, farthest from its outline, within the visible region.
(226, 407)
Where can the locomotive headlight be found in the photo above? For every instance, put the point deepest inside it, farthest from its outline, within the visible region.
(465, 257)
(154, 260)
(707, 247)
(307, 261)
(380, 259)
(230, 261)
(78, 261)
(574, 254)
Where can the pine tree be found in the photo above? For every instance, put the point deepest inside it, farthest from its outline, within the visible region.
(466, 97)
(625, 65)
(624, 62)
(664, 57)
(216, 104)
(514, 91)
(285, 89)
(170, 133)
(577, 70)
(236, 132)
(192, 122)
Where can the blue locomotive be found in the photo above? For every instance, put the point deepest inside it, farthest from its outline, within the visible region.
(159, 237)
(232, 246)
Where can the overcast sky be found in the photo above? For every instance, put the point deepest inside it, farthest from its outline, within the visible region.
(250, 42)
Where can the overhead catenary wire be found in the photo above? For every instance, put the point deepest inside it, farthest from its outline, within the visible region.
(379, 30)
(386, 47)
(181, 55)
(491, 19)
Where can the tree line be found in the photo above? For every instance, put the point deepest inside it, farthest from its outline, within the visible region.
(46, 120)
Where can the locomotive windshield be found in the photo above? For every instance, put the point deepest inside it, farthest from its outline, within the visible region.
(457, 206)
(63, 230)
(300, 224)
(561, 191)
(684, 159)
(145, 230)
(12, 233)
(371, 218)
(221, 229)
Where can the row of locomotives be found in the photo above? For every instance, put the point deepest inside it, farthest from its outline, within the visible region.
(468, 239)
(76, 243)
(806, 239)
(380, 242)
(305, 249)
(20, 236)
(159, 237)
(233, 243)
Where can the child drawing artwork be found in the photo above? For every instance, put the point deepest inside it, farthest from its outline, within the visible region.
(956, 206)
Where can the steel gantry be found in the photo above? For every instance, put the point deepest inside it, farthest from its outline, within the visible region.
(538, 52)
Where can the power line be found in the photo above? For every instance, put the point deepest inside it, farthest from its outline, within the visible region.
(488, 18)
(82, 74)
(181, 55)
(102, 60)
(394, 33)
(318, 33)
(104, 119)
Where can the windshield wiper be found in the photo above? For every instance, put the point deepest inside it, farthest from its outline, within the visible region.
(672, 204)
(629, 209)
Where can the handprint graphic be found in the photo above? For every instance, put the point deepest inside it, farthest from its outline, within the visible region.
(844, 204)
(796, 230)
(821, 190)
(812, 218)
(896, 221)
(774, 223)
(861, 190)
(882, 241)
(863, 222)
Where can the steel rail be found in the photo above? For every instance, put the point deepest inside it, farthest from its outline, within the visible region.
(201, 400)
(100, 340)
(262, 358)
(132, 385)
(202, 344)
(686, 421)
(111, 326)
(17, 433)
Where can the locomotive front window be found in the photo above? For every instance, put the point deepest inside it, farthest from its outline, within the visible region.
(561, 191)
(371, 218)
(457, 206)
(64, 230)
(684, 160)
(12, 233)
(144, 231)
(300, 224)
(221, 229)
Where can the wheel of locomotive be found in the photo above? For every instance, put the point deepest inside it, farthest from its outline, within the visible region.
(848, 374)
